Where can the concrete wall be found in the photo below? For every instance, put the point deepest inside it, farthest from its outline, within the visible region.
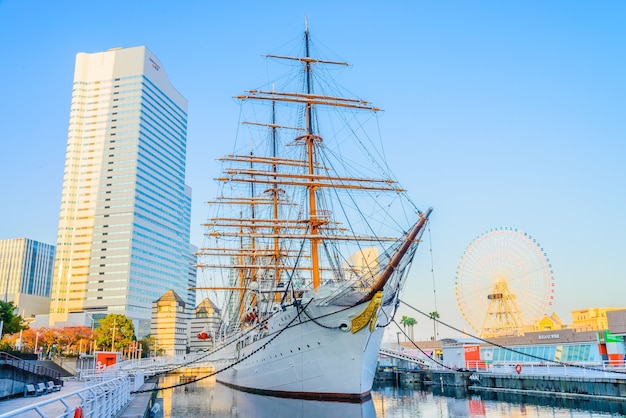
(13, 380)
(554, 386)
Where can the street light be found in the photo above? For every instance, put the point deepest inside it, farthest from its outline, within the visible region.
(92, 326)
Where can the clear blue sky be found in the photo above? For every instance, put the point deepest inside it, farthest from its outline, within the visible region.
(496, 114)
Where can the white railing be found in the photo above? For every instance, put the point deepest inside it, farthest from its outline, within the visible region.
(105, 399)
(595, 369)
(403, 356)
(158, 365)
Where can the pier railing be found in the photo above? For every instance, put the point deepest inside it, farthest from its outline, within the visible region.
(104, 399)
(581, 369)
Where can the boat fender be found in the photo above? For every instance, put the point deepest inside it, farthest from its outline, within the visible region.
(78, 412)
(518, 368)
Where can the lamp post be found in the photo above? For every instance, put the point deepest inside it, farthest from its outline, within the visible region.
(92, 327)
(113, 337)
(36, 342)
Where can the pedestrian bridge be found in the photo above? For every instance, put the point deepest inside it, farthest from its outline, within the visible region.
(155, 365)
(403, 356)
(161, 365)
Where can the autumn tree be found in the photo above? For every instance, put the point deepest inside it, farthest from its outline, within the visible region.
(72, 335)
(29, 337)
(115, 331)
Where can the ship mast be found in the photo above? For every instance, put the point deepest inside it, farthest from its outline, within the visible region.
(309, 139)
(313, 226)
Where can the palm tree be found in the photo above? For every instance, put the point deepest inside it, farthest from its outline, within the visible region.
(408, 322)
(434, 315)
(404, 324)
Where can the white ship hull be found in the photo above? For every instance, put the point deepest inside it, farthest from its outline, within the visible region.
(310, 359)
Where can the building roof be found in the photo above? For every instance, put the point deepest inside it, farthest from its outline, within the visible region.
(207, 306)
(170, 296)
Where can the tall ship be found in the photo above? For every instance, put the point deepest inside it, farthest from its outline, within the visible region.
(309, 240)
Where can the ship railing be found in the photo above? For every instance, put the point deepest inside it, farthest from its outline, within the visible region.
(104, 399)
(612, 369)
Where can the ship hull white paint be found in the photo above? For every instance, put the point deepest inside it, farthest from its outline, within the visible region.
(310, 359)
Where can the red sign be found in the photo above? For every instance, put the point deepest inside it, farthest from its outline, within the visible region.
(105, 359)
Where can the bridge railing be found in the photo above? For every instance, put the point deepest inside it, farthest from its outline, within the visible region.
(6, 358)
(425, 362)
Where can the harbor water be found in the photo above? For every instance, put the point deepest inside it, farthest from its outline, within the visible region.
(208, 398)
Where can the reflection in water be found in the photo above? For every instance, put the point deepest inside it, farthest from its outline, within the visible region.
(579, 405)
(209, 398)
(206, 398)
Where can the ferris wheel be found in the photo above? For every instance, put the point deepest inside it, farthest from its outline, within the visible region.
(503, 283)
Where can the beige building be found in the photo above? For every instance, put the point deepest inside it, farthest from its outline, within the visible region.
(205, 326)
(169, 325)
(591, 319)
(549, 323)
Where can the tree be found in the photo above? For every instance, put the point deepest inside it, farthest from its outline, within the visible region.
(434, 316)
(63, 340)
(51, 339)
(116, 331)
(404, 324)
(29, 337)
(72, 335)
(409, 322)
(148, 345)
(11, 323)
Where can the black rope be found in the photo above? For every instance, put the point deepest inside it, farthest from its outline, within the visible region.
(293, 272)
(432, 358)
(224, 368)
(210, 353)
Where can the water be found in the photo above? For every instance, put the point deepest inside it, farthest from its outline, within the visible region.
(207, 398)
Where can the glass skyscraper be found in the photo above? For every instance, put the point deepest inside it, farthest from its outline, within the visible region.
(123, 237)
(26, 274)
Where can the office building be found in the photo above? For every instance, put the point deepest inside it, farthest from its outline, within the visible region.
(26, 275)
(123, 237)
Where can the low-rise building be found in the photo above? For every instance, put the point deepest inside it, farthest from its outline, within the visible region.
(169, 325)
(205, 326)
(591, 319)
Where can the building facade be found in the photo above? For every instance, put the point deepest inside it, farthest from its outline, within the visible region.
(591, 319)
(169, 325)
(124, 223)
(205, 326)
(26, 275)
